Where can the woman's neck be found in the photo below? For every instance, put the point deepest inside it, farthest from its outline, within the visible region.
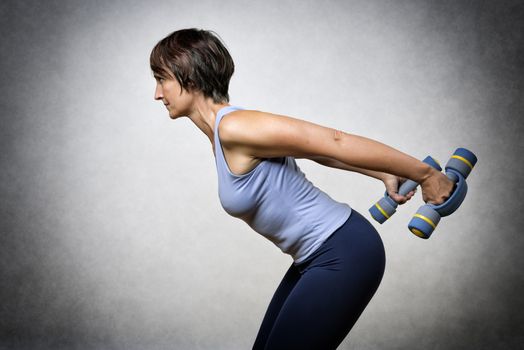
(204, 116)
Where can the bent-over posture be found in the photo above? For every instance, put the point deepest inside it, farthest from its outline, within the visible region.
(338, 256)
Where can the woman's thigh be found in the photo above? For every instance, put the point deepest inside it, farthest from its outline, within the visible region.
(285, 287)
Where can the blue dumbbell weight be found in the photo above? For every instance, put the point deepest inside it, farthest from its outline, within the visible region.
(386, 206)
(457, 170)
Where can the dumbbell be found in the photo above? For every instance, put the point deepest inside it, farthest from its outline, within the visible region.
(386, 206)
(457, 170)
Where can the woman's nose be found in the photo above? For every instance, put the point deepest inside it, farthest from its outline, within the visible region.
(158, 92)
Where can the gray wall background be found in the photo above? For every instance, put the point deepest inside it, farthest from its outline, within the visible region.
(112, 234)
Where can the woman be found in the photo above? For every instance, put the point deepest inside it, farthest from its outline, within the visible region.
(338, 256)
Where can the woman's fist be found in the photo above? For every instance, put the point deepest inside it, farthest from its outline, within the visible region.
(436, 188)
(392, 183)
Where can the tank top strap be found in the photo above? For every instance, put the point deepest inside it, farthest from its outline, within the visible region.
(222, 112)
(219, 154)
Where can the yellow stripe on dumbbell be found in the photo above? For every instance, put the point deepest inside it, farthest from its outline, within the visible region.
(418, 233)
(382, 210)
(463, 159)
(425, 219)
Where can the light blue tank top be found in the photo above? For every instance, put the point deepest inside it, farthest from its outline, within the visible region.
(278, 202)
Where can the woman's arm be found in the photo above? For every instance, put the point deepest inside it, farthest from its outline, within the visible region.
(333, 163)
(391, 182)
(266, 135)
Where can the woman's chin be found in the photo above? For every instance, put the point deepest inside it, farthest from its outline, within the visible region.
(173, 115)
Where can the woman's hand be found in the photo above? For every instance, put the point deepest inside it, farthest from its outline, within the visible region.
(436, 188)
(393, 183)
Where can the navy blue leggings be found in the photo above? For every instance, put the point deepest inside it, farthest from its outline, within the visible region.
(319, 300)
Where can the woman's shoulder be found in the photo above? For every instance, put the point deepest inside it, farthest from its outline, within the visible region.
(234, 125)
(243, 122)
(268, 135)
(234, 135)
(238, 115)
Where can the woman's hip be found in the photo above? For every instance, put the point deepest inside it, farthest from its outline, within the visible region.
(354, 245)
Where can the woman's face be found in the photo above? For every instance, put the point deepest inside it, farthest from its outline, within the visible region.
(178, 101)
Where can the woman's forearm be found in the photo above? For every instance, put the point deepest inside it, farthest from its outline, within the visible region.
(333, 163)
(364, 153)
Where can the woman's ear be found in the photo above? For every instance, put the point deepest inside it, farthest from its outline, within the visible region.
(191, 87)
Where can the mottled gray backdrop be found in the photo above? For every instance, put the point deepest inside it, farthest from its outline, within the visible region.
(112, 235)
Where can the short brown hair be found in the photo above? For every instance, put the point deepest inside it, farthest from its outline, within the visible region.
(197, 59)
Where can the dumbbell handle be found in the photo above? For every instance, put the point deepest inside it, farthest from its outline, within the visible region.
(407, 187)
